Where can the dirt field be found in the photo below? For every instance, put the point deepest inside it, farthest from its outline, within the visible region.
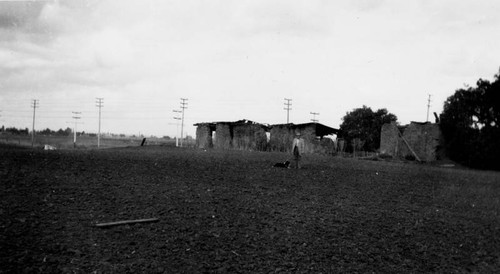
(83, 142)
(231, 211)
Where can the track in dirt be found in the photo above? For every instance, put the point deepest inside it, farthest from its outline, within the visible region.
(231, 211)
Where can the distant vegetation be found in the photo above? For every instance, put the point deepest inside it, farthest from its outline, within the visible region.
(470, 122)
(26, 131)
(63, 138)
(365, 124)
(14, 131)
(68, 131)
(60, 132)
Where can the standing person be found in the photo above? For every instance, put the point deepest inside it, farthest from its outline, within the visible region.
(298, 148)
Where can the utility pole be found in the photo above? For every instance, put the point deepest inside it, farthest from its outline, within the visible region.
(314, 120)
(76, 118)
(99, 104)
(288, 105)
(177, 118)
(183, 107)
(428, 106)
(34, 105)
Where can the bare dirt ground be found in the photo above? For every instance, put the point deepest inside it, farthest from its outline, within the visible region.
(231, 211)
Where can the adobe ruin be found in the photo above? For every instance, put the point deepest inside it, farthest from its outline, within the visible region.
(420, 140)
(249, 135)
(242, 134)
(314, 134)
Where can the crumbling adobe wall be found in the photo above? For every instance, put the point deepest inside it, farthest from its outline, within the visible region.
(260, 138)
(223, 136)
(424, 139)
(203, 136)
(281, 138)
(249, 137)
(389, 139)
(242, 137)
(311, 143)
(324, 146)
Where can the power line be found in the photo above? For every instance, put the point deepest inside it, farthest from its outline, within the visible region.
(183, 107)
(34, 105)
(314, 120)
(99, 104)
(288, 104)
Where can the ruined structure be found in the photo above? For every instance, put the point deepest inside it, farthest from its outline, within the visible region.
(421, 139)
(390, 139)
(313, 134)
(204, 135)
(243, 134)
(248, 135)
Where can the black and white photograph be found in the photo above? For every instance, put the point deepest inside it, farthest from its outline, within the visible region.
(249, 136)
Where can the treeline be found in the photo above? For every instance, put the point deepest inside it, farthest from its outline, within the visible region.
(471, 125)
(60, 132)
(45, 132)
(68, 131)
(15, 131)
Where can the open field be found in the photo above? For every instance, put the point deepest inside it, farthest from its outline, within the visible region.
(230, 211)
(82, 142)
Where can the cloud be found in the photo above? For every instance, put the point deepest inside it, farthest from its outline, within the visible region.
(244, 52)
(365, 5)
(53, 44)
(17, 14)
(297, 18)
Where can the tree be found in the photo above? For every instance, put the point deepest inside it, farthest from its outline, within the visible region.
(46, 132)
(365, 124)
(470, 123)
(15, 131)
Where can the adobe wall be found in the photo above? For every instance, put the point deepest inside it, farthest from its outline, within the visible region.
(203, 136)
(223, 136)
(324, 146)
(309, 135)
(281, 138)
(424, 139)
(389, 139)
(249, 137)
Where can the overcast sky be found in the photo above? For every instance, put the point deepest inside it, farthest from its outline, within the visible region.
(237, 59)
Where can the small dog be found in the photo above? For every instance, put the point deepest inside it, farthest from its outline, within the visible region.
(285, 164)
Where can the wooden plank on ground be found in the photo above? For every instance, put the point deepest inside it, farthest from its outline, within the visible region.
(127, 222)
